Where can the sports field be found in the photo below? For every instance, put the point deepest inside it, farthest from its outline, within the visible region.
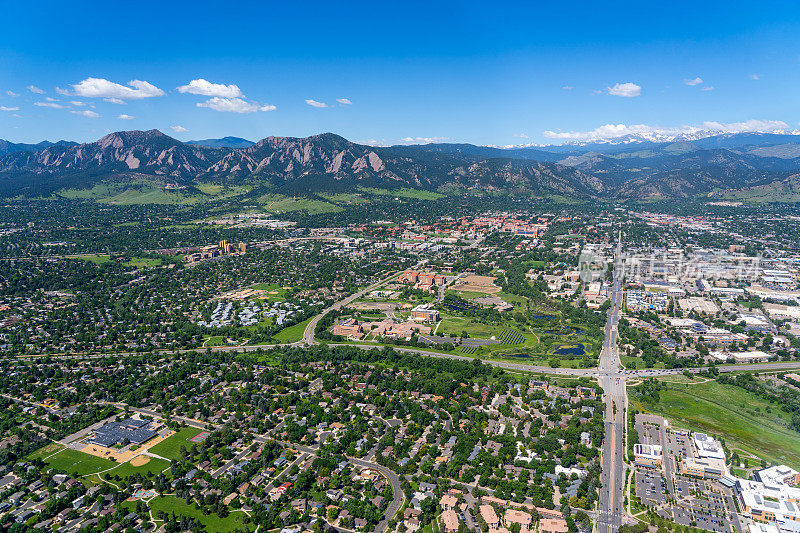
(170, 447)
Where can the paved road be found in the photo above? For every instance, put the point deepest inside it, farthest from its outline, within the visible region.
(613, 383)
(393, 478)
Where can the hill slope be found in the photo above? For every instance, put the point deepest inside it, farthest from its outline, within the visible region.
(282, 164)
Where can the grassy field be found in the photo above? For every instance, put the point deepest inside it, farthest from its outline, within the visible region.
(292, 333)
(215, 341)
(97, 259)
(282, 204)
(456, 325)
(170, 447)
(43, 452)
(144, 262)
(743, 419)
(403, 193)
(467, 295)
(141, 192)
(73, 461)
(782, 191)
(126, 469)
(212, 522)
(280, 292)
(130, 194)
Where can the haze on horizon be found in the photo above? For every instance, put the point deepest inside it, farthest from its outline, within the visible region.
(513, 74)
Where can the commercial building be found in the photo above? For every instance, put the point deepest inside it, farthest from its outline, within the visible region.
(707, 447)
(776, 504)
(778, 474)
(648, 455)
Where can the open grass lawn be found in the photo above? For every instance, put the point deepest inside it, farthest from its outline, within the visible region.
(215, 341)
(97, 259)
(127, 469)
(170, 448)
(467, 295)
(212, 522)
(144, 262)
(43, 452)
(293, 333)
(456, 325)
(736, 415)
(275, 203)
(403, 193)
(72, 461)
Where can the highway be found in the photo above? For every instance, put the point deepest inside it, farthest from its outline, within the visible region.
(610, 509)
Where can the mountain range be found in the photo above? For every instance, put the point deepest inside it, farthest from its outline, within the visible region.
(328, 162)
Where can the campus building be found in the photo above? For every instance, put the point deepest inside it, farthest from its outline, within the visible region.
(131, 430)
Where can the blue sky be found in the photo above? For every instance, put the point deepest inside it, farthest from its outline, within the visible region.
(486, 73)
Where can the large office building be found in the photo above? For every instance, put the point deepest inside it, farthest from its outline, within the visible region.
(131, 430)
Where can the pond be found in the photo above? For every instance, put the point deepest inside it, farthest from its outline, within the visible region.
(571, 349)
(516, 355)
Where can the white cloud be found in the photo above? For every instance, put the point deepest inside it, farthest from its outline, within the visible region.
(51, 99)
(178, 129)
(102, 88)
(568, 87)
(424, 140)
(4, 108)
(343, 101)
(707, 88)
(12, 94)
(77, 103)
(49, 104)
(206, 88)
(314, 103)
(755, 76)
(522, 135)
(125, 117)
(35, 90)
(235, 105)
(63, 92)
(696, 81)
(114, 101)
(626, 90)
(86, 113)
(655, 133)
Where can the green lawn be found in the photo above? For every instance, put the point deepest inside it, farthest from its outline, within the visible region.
(736, 415)
(467, 295)
(456, 325)
(126, 469)
(281, 204)
(403, 193)
(43, 452)
(169, 448)
(73, 461)
(212, 522)
(97, 259)
(144, 262)
(292, 333)
(215, 341)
